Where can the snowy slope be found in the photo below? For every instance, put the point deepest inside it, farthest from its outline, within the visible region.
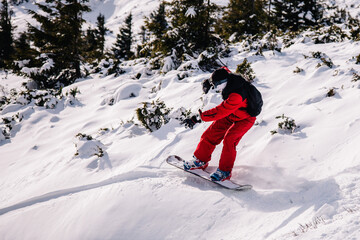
(306, 184)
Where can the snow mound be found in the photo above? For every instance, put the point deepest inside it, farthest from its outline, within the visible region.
(127, 90)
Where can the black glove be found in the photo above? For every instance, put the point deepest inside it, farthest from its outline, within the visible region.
(206, 85)
(190, 122)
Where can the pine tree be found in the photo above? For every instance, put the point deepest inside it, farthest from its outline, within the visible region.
(312, 12)
(122, 46)
(156, 26)
(6, 38)
(95, 39)
(59, 40)
(157, 23)
(192, 23)
(143, 34)
(18, 2)
(100, 32)
(286, 14)
(22, 49)
(296, 14)
(146, 47)
(243, 17)
(90, 44)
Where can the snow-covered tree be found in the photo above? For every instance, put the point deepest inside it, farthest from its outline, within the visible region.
(124, 39)
(101, 32)
(243, 17)
(95, 39)
(22, 49)
(295, 14)
(312, 12)
(58, 41)
(192, 25)
(156, 25)
(6, 38)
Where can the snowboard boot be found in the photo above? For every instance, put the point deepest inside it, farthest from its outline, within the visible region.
(220, 176)
(195, 164)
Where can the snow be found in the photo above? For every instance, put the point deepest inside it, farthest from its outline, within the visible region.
(168, 64)
(190, 12)
(57, 184)
(49, 63)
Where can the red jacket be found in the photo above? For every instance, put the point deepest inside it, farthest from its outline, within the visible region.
(228, 108)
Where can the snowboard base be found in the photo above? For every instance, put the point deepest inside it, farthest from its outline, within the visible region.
(178, 162)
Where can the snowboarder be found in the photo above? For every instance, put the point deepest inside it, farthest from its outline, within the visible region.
(231, 120)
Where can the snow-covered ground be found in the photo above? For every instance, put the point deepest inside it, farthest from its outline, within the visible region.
(56, 184)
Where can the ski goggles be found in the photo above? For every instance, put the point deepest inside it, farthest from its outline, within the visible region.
(217, 83)
(208, 84)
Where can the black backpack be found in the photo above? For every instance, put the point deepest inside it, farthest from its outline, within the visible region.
(255, 101)
(237, 83)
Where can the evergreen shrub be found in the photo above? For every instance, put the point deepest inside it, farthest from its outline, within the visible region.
(287, 125)
(153, 115)
(324, 59)
(356, 77)
(331, 92)
(246, 71)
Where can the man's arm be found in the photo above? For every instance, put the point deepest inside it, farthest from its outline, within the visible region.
(228, 106)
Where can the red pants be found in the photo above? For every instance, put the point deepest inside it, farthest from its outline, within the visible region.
(231, 133)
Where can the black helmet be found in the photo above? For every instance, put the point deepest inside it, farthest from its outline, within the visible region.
(219, 76)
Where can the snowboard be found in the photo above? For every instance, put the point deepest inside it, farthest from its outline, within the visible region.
(178, 162)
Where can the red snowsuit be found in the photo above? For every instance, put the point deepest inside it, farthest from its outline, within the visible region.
(230, 124)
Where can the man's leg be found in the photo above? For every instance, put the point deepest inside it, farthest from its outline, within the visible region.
(231, 140)
(212, 136)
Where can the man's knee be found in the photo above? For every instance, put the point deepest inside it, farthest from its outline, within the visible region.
(232, 140)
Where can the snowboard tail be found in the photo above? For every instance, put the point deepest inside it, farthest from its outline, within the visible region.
(178, 162)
